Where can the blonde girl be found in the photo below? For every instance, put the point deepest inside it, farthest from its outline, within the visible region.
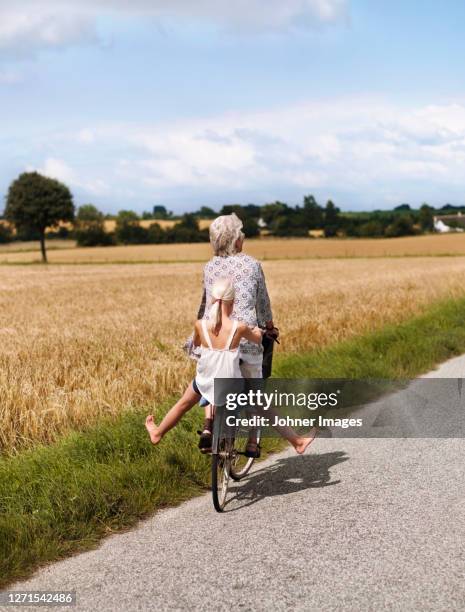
(219, 340)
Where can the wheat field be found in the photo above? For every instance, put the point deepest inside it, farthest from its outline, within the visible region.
(262, 248)
(81, 342)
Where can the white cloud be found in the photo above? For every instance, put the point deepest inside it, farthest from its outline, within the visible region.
(26, 28)
(352, 145)
(58, 169)
(364, 149)
(258, 14)
(29, 25)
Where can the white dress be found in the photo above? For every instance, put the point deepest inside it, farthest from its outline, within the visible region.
(216, 363)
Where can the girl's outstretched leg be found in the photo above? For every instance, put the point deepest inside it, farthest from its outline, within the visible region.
(174, 415)
(299, 443)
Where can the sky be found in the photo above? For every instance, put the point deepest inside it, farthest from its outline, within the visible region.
(213, 102)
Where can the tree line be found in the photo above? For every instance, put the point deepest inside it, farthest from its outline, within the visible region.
(40, 207)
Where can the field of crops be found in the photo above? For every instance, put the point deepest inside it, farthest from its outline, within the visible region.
(79, 342)
(34, 245)
(263, 248)
(110, 224)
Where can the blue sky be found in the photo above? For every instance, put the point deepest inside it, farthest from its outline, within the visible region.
(212, 102)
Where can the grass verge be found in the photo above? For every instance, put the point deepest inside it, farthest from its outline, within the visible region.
(62, 498)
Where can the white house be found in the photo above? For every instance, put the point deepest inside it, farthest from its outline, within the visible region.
(443, 228)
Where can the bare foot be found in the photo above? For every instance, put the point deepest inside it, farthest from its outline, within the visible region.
(152, 429)
(301, 444)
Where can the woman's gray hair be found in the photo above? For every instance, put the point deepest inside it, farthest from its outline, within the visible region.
(225, 231)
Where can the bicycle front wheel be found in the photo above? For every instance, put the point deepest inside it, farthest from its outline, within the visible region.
(221, 465)
(240, 464)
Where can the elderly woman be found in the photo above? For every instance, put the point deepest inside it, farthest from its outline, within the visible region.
(252, 305)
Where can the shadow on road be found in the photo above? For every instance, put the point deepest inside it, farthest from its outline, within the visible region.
(286, 475)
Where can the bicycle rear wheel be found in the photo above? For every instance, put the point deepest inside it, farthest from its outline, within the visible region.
(221, 466)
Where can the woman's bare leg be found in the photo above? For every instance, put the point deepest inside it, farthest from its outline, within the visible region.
(173, 416)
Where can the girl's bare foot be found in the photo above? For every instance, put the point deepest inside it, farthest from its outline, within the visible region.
(301, 444)
(155, 437)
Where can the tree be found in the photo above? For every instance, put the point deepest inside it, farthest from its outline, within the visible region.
(90, 227)
(403, 207)
(331, 219)
(160, 212)
(451, 208)
(238, 209)
(187, 230)
(88, 213)
(250, 228)
(5, 233)
(402, 226)
(128, 230)
(425, 218)
(271, 212)
(250, 211)
(370, 229)
(290, 225)
(312, 212)
(156, 234)
(189, 221)
(205, 212)
(35, 202)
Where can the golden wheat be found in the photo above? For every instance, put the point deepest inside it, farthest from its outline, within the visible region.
(262, 248)
(110, 224)
(81, 342)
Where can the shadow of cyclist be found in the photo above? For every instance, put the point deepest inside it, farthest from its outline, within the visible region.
(286, 475)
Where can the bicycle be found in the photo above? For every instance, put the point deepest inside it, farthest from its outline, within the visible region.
(228, 458)
(228, 451)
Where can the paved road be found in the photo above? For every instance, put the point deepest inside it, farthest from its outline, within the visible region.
(353, 525)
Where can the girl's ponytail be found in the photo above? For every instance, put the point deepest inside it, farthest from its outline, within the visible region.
(222, 291)
(215, 317)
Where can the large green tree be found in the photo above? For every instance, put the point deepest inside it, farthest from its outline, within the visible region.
(36, 202)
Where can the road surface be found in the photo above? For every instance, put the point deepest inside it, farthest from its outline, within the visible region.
(355, 524)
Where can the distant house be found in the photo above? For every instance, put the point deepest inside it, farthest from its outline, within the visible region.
(449, 223)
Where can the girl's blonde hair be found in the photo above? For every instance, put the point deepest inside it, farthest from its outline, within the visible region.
(222, 291)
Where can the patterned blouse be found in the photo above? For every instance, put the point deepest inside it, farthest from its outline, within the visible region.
(251, 304)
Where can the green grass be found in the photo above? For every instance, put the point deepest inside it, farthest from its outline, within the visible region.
(63, 498)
